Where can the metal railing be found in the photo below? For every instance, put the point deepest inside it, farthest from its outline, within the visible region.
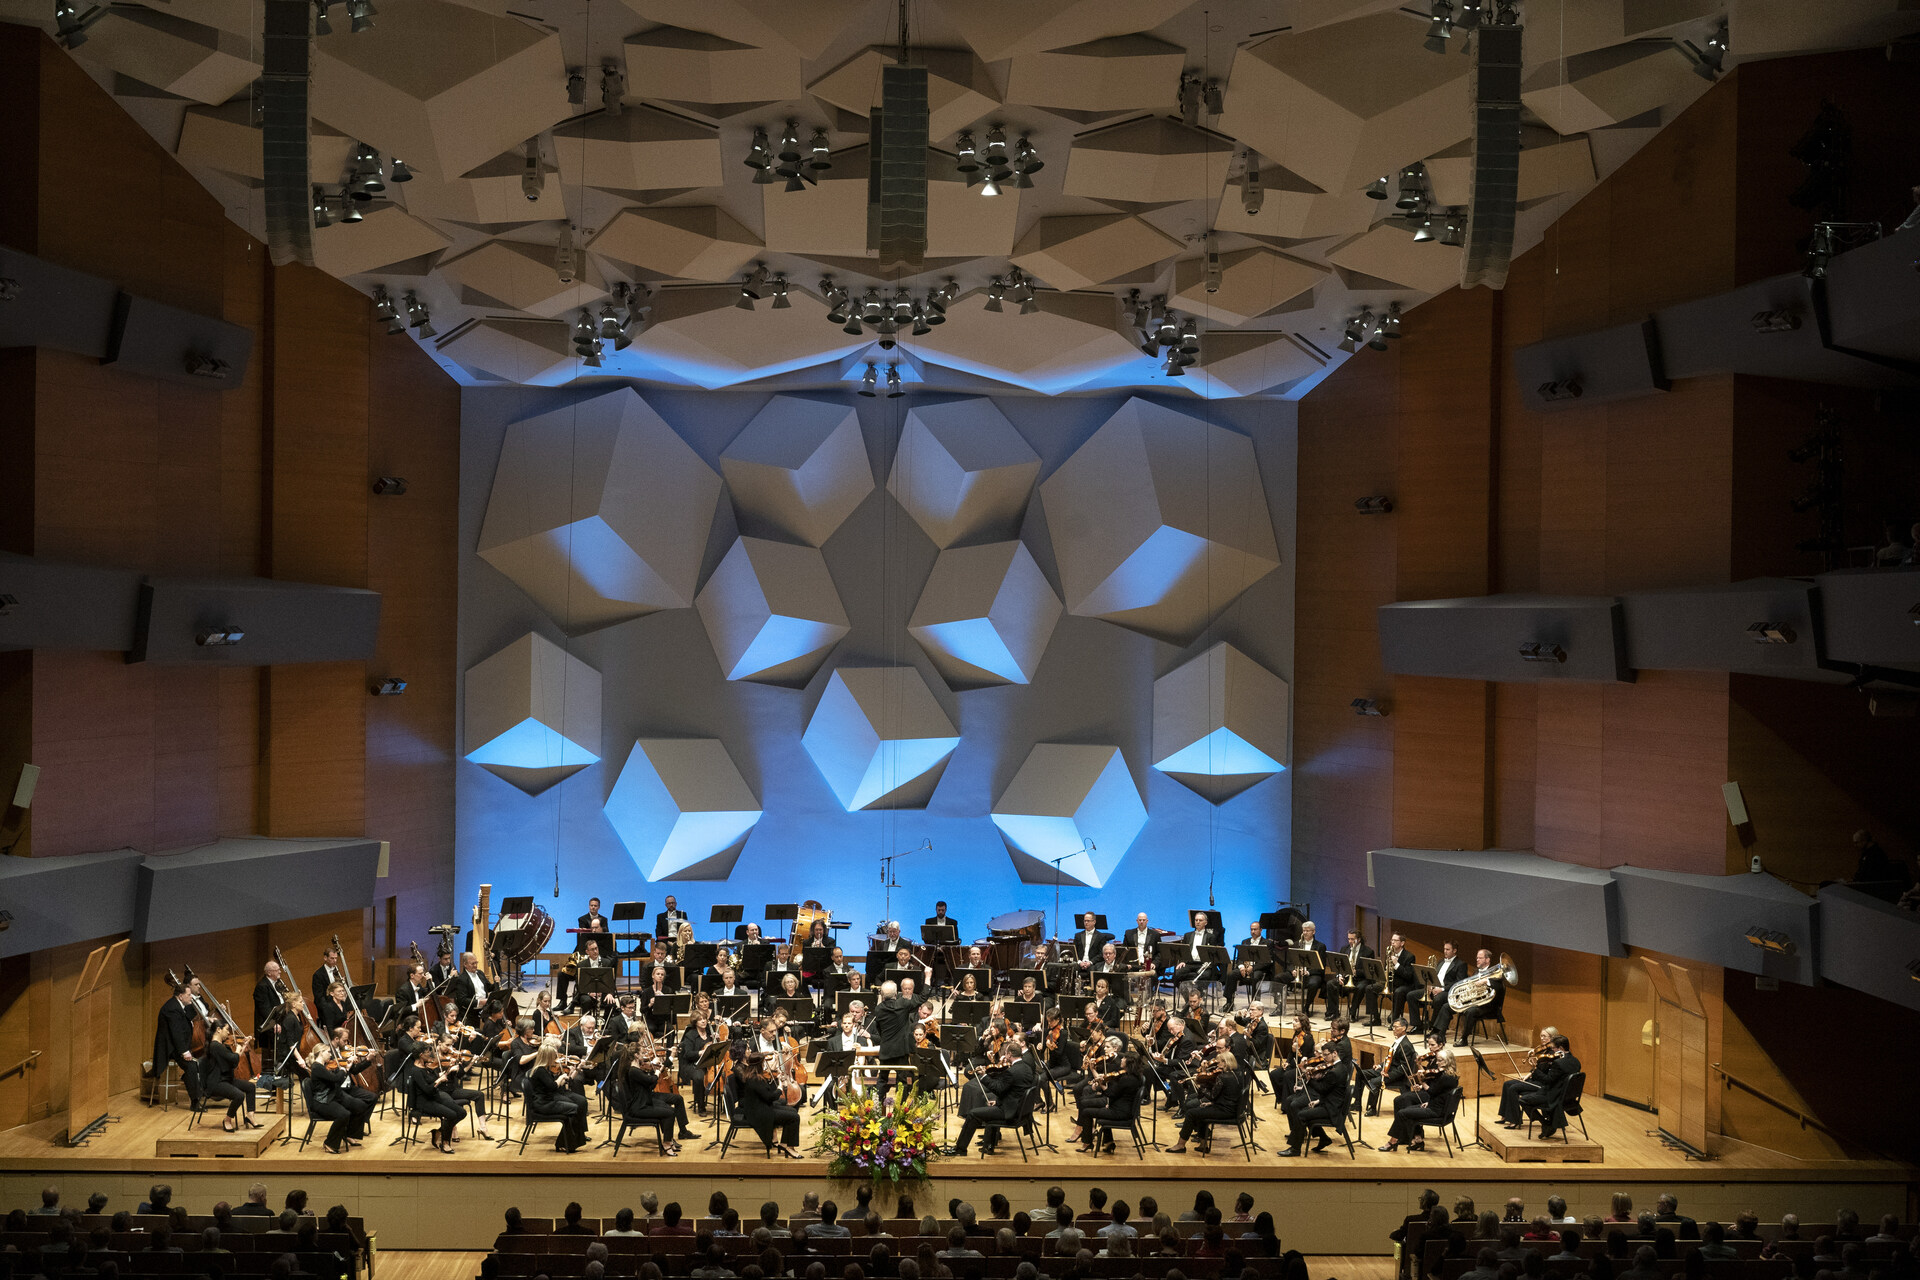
(20, 1068)
(1731, 1081)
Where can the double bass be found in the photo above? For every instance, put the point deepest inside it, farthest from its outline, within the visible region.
(249, 1066)
(198, 1044)
(311, 1037)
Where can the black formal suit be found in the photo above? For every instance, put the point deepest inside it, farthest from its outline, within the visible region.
(1402, 984)
(1248, 975)
(1323, 1101)
(330, 1099)
(1312, 981)
(1541, 1098)
(664, 925)
(640, 1104)
(330, 1014)
(173, 1042)
(1359, 990)
(324, 977)
(1086, 946)
(1217, 1100)
(764, 1109)
(996, 1100)
(1132, 941)
(593, 922)
(891, 1023)
(1189, 969)
(1117, 1104)
(1432, 1105)
(1397, 1073)
(469, 992)
(410, 998)
(439, 973)
(1451, 971)
(1109, 1010)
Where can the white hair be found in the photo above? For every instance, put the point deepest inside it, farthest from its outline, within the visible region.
(888, 988)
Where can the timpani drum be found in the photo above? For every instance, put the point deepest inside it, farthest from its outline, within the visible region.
(521, 938)
(1014, 935)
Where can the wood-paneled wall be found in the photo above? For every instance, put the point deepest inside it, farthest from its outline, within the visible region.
(1678, 489)
(269, 479)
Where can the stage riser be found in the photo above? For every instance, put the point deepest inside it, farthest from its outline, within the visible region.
(1319, 1214)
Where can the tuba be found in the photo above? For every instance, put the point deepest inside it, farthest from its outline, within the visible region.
(1471, 993)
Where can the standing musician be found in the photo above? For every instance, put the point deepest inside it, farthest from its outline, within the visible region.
(764, 1108)
(1215, 1097)
(469, 987)
(1544, 1087)
(1107, 1005)
(1245, 973)
(1403, 984)
(426, 1079)
(1139, 942)
(330, 1009)
(1397, 1074)
(817, 939)
(415, 992)
(1451, 972)
(1359, 990)
(1312, 981)
(269, 994)
(1111, 1098)
(331, 1101)
(903, 958)
(656, 1003)
(1193, 969)
(327, 974)
(1428, 1100)
(635, 1091)
(667, 922)
(549, 1097)
(942, 964)
(995, 1097)
(223, 1057)
(1089, 945)
(593, 921)
(173, 1042)
(750, 937)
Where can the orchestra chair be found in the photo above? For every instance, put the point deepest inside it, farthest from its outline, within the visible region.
(1450, 1121)
(1022, 1123)
(1493, 1011)
(527, 1122)
(409, 1118)
(1568, 1108)
(1244, 1120)
(160, 1086)
(306, 1096)
(730, 1100)
(665, 1126)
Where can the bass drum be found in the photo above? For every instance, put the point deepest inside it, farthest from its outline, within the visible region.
(525, 938)
(1014, 936)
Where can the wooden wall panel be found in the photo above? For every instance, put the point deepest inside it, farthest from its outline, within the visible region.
(317, 429)
(315, 726)
(1440, 763)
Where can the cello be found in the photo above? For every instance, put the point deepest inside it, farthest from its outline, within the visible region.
(428, 1008)
(198, 1044)
(248, 1067)
(311, 1037)
(373, 1076)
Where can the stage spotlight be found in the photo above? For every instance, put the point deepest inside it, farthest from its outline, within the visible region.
(1367, 707)
(1440, 30)
(1377, 504)
(388, 687)
(1539, 651)
(390, 486)
(894, 389)
(1770, 633)
(1565, 389)
(870, 381)
(219, 638)
(576, 87)
(1709, 61)
(1378, 188)
(1772, 940)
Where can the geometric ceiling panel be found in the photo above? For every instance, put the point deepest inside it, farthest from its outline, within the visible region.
(222, 139)
(535, 353)
(1606, 86)
(962, 471)
(1159, 521)
(387, 234)
(599, 512)
(679, 804)
(962, 223)
(1768, 28)
(1119, 73)
(830, 220)
(880, 738)
(1388, 252)
(959, 88)
(1308, 14)
(771, 612)
(1297, 215)
(1152, 160)
(698, 336)
(1220, 723)
(237, 16)
(183, 58)
(800, 467)
(1070, 339)
(1341, 105)
(985, 615)
(532, 713)
(694, 67)
(1074, 803)
(1247, 362)
(1008, 28)
(443, 87)
(490, 195)
(802, 27)
(1252, 283)
(1549, 166)
(697, 242)
(522, 276)
(1579, 26)
(641, 149)
(1079, 251)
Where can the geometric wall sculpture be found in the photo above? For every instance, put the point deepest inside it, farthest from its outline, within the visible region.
(771, 612)
(880, 738)
(1606, 86)
(521, 276)
(183, 58)
(986, 614)
(799, 467)
(1246, 363)
(1220, 723)
(705, 71)
(599, 511)
(490, 193)
(532, 714)
(1344, 104)
(962, 471)
(1549, 165)
(1159, 521)
(803, 27)
(682, 809)
(1072, 338)
(1074, 803)
(501, 349)
(387, 234)
(444, 87)
(1389, 252)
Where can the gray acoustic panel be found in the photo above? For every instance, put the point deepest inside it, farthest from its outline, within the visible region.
(1508, 894)
(1873, 299)
(281, 622)
(54, 307)
(58, 901)
(1724, 334)
(1709, 917)
(1869, 945)
(160, 341)
(1607, 364)
(1871, 617)
(1705, 629)
(250, 880)
(1480, 637)
(66, 606)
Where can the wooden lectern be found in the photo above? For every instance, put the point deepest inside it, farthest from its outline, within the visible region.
(90, 1028)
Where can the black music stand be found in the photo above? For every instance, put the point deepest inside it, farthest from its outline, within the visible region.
(1168, 956)
(968, 1013)
(1014, 977)
(1340, 971)
(699, 955)
(726, 915)
(798, 1008)
(1022, 1013)
(780, 911)
(1310, 960)
(516, 906)
(1429, 978)
(1072, 1007)
(754, 958)
(733, 1006)
(1368, 969)
(1213, 919)
(627, 911)
(1479, 1093)
(828, 1066)
(815, 960)
(1261, 958)
(940, 935)
(594, 982)
(1217, 961)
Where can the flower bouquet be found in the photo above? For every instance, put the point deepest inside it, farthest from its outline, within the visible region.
(889, 1141)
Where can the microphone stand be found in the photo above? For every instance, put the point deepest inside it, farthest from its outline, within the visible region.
(887, 880)
(1487, 1072)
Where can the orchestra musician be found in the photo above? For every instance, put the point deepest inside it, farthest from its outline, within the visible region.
(415, 991)
(269, 993)
(1139, 942)
(1359, 990)
(994, 1098)
(1403, 984)
(204, 1005)
(1089, 945)
(667, 921)
(1192, 969)
(1319, 1098)
(1063, 1053)
(764, 1109)
(1111, 963)
(1107, 1006)
(1496, 978)
(783, 964)
(926, 1039)
(620, 1018)
(1544, 1088)
(942, 965)
(173, 1042)
(940, 916)
(426, 1080)
(656, 1002)
(848, 1037)
(1215, 1097)
(469, 986)
(1196, 1013)
(1111, 1099)
(444, 967)
(1297, 1048)
(1451, 972)
(1429, 1099)
(634, 1091)
(592, 921)
(1245, 973)
(1312, 981)
(1397, 1073)
(550, 1098)
(579, 1039)
(216, 1079)
(331, 1101)
(589, 957)
(545, 1021)
(330, 1009)
(903, 958)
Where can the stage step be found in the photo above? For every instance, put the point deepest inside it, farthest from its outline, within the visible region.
(1515, 1147)
(209, 1139)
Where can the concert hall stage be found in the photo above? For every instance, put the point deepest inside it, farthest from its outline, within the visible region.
(1325, 1204)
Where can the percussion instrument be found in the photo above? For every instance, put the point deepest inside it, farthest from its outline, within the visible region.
(521, 938)
(810, 911)
(1013, 937)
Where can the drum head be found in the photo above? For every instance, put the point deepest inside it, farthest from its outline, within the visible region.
(1018, 922)
(530, 939)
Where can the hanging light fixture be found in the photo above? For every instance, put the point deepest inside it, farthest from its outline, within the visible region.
(870, 381)
(779, 287)
(822, 158)
(966, 163)
(996, 290)
(1390, 327)
(1423, 227)
(1377, 189)
(1440, 30)
(1191, 97)
(1253, 193)
(1708, 62)
(1212, 263)
(576, 86)
(351, 211)
(1357, 330)
(613, 89)
(417, 316)
(894, 389)
(532, 180)
(322, 207)
(398, 171)
(1412, 189)
(760, 158)
(585, 333)
(566, 262)
(1454, 230)
(1026, 162)
(360, 15)
(1029, 303)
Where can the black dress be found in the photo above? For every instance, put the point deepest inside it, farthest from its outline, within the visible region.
(217, 1079)
(548, 1099)
(429, 1097)
(329, 1100)
(1116, 1107)
(763, 1108)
